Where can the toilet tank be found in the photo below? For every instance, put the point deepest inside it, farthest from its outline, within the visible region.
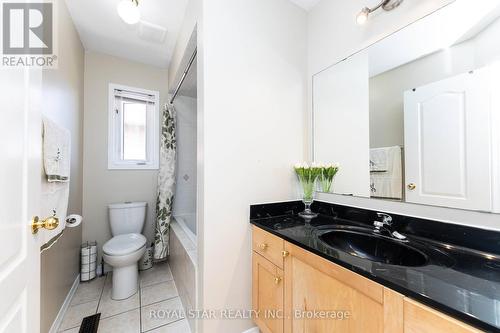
(127, 217)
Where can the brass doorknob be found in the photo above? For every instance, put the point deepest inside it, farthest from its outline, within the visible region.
(285, 254)
(412, 186)
(263, 246)
(50, 223)
(277, 279)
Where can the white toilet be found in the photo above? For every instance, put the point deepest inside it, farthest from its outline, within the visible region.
(127, 246)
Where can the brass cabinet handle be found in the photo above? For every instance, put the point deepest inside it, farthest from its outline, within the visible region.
(285, 254)
(277, 280)
(412, 186)
(50, 223)
(263, 246)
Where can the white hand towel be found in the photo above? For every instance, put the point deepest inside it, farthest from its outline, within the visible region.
(379, 159)
(56, 151)
(389, 183)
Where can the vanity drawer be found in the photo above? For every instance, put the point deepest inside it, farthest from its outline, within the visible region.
(269, 246)
(419, 318)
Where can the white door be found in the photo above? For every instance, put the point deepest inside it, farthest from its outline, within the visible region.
(20, 174)
(448, 143)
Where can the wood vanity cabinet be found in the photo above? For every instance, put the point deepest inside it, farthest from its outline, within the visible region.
(291, 284)
(267, 281)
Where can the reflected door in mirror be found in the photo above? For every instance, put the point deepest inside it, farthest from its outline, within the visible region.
(447, 143)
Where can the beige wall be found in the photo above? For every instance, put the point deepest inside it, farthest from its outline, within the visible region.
(59, 268)
(102, 186)
(62, 94)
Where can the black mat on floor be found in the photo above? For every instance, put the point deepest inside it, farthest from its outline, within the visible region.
(90, 324)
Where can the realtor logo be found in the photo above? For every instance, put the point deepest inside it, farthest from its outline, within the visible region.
(28, 34)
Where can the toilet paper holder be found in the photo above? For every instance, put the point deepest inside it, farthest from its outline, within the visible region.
(73, 220)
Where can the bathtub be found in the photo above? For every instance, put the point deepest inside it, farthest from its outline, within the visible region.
(183, 260)
(188, 224)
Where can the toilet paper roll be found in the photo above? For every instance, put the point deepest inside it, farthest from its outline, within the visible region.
(88, 259)
(73, 220)
(87, 276)
(88, 267)
(91, 250)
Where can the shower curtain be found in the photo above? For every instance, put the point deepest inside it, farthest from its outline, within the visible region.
(166, 184)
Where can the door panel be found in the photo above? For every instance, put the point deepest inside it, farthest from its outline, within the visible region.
(267, 294)
(419, 318)
(448, 177)
(448, 143)
(314, 284)
(20, 174)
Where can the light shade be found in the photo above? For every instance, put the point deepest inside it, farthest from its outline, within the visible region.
(363, 16)
(129, 11)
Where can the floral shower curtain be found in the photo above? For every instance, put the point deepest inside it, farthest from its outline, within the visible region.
(166, 183)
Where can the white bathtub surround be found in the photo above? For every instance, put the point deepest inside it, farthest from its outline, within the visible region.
(186, 127)
(188, 224)
(183, 261)
(166, 183)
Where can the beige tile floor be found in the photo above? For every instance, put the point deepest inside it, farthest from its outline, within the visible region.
(157, 294)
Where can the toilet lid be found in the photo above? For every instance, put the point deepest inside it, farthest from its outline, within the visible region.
(124, 244)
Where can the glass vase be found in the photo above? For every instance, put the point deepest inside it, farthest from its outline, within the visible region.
(308, 199)
(326, 185)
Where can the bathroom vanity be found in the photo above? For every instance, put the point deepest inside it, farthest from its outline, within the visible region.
(336, 273)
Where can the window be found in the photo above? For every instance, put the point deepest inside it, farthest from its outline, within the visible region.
(133, 136)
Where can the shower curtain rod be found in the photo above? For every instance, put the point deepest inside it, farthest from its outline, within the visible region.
(183, 77)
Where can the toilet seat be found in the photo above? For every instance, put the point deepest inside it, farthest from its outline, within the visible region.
(121, 245)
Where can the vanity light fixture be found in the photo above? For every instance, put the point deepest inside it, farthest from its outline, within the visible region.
(129, 11)
(386, 5)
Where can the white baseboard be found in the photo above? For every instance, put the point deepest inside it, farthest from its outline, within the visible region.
(252, 330)
(62, 311)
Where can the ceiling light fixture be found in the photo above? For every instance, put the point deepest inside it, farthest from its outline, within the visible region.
(386, 5)
(129, 11)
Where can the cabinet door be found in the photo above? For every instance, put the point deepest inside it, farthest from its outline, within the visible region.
(448, 143)
(267, 295)
(268, 245)
(419, 318)
(315, 284)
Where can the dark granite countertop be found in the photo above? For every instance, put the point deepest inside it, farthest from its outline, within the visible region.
(461, 278)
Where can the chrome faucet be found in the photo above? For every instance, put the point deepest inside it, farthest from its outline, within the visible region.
(385, 224)
(386, 220)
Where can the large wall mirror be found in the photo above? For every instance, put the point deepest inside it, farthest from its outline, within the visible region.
(415, 117)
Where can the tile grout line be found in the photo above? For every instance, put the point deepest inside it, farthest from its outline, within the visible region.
(73, 305)
(140, 305)
(157, 327)
(119, 313)
(163, 300)
(102, 292)
(157, 283)
(80, 303)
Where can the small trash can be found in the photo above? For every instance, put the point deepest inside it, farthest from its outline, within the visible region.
(147, 259)
(88, 261)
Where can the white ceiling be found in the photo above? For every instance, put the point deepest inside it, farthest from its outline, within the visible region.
(102, 30)
(306, 4)
(442, 30)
